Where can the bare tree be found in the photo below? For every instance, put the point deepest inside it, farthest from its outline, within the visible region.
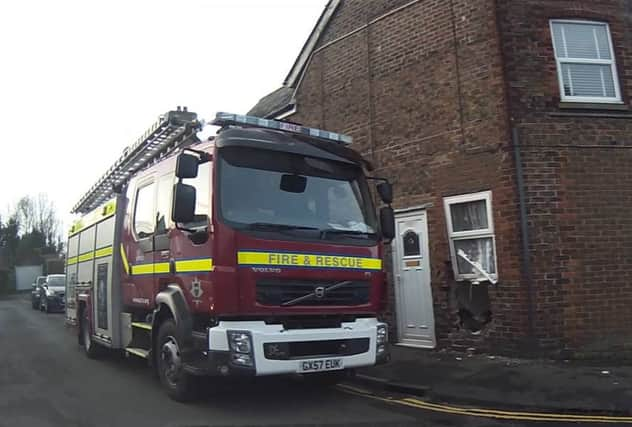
(39, 215)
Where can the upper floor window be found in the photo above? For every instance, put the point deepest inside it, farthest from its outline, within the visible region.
(585, 61)
(471, 234)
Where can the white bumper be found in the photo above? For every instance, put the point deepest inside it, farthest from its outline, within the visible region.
(263, 333)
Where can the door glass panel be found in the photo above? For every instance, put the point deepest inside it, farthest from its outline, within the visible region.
(144, 214)
(411, 243)
(163, 213)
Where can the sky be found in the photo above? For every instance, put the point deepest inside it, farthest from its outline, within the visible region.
(81, 80)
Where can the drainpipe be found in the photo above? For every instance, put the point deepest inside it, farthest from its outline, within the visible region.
(524, 231)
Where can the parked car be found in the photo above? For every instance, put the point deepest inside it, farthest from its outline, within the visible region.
(52, 295)
(36, 292)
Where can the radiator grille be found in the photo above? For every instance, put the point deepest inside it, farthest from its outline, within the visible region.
(277, 292)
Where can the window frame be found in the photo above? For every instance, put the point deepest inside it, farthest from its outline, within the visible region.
(611, 62)
(470, 234)
(140, 186)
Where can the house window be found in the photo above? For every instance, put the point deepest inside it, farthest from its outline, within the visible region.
(471, 234)
(585, 61)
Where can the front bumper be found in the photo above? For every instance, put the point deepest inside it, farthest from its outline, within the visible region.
(354, 342)
(56, 302)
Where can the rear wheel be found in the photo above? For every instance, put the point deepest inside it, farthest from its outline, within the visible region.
(180, 386)
(90, 348)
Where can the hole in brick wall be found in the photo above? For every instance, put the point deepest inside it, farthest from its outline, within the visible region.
(474, 308)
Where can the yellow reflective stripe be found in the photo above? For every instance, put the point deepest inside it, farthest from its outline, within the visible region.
(142, 325)
(107, 251)
(86, 257)
(124, 259)
(143, 269)
(308, 260)
(191, 265)
(72, 260)
(161, 267)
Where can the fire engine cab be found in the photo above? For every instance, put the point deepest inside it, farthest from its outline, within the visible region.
(255, 252)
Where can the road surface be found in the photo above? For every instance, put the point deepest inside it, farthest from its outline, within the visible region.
(45, 380)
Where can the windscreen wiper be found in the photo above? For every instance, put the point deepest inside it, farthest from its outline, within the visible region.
(350, 233)
(276, 227)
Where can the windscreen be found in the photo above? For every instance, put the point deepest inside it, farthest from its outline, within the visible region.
(56, 280)
(270, 187)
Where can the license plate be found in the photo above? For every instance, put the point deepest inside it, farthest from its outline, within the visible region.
(320, 365)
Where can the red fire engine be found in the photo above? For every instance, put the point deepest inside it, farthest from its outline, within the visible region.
(255, 252)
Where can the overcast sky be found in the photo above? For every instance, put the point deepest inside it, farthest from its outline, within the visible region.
(80, 80)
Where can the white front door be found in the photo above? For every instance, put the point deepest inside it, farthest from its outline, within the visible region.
(413, 294)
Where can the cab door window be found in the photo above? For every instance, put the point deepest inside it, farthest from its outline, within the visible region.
(163, 202)
(202, 184)
(144, 212)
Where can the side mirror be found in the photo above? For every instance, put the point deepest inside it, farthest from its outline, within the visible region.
(187, 166)
(34, 285)
(385, 190)
(387, 222)
(183, 208)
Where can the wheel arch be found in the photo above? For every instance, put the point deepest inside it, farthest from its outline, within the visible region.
(171, 304)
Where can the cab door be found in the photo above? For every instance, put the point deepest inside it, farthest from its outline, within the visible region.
(141, 249)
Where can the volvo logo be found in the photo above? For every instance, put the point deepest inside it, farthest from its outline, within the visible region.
(319, 292)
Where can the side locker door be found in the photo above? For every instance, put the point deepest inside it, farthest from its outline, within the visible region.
(141, 255)
(103, 264)
(72, 278)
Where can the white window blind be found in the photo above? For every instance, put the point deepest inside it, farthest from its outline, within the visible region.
(585, 61)
(471, 231)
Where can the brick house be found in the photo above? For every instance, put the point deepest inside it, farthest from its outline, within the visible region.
(505, 126)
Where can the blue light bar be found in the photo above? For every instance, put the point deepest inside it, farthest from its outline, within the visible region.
(227, 119)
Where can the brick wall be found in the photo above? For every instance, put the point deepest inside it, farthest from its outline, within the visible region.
(422, 93)
(577, 177)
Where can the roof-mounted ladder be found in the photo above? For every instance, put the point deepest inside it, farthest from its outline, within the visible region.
(172, 130)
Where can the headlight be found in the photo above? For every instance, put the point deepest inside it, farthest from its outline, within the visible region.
(382, 334)
(240, 342)
(50, 293)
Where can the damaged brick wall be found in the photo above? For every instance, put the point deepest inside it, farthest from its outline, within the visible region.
(577, 177)
(422, 93)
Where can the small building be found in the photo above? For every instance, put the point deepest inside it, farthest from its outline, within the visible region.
(506, 128)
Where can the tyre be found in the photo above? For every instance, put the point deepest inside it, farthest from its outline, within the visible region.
(35, 305)
(90, 348)
(180, 386)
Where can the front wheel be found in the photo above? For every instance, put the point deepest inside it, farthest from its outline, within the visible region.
(180, 386)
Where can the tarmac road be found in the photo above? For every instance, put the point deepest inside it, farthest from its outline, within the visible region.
(45, 380)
